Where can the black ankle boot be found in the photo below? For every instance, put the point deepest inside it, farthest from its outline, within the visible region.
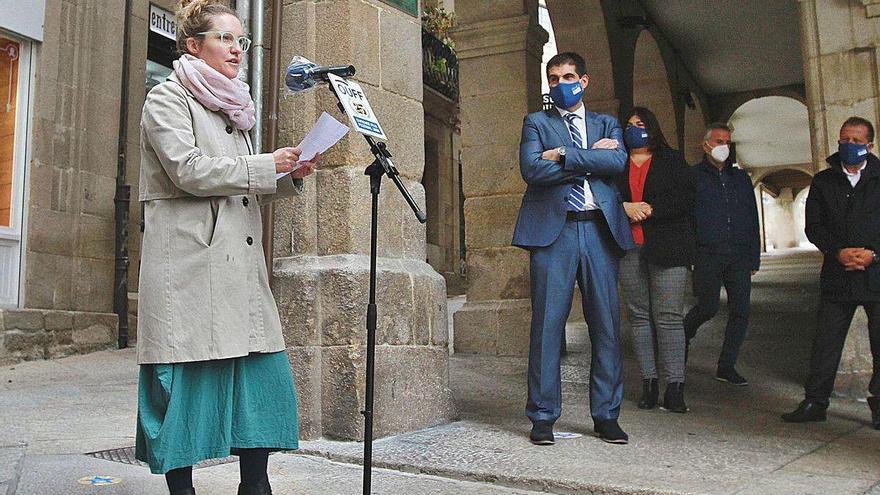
(262, 488)
(673, 398)
(650, 392)
(874, 404)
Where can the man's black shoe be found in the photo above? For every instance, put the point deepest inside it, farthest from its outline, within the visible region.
(542, 433)
(650, 392)
(673, 398)
(874, 404)
(609, 431)
(808, 410)
(730, 376)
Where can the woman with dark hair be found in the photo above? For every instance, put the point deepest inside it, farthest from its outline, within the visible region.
(658, 197)
(215, 378)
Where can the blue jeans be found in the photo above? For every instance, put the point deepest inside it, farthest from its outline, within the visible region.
(710, 271)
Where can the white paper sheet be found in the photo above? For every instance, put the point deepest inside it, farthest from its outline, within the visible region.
(326, 132)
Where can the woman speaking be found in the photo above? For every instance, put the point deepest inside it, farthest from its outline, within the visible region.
(214, 377)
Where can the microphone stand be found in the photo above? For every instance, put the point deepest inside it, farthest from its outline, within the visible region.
(381, 165)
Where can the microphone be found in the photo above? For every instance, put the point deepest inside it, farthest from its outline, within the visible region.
(303, 75)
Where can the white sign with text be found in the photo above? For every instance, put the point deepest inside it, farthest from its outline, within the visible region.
(357, 107)
(162, 22)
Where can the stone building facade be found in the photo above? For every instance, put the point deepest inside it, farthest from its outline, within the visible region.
(60, 166)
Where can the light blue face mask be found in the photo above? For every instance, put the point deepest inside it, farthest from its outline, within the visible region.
(852, 153)
(567, 95)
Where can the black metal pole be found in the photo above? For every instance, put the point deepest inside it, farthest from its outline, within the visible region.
(122, 198)
(375, 172)
(382, 165)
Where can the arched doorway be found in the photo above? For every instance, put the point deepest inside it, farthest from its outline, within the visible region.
(772, 137)
(783, 196)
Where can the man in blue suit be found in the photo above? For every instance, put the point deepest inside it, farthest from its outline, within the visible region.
(573, 225)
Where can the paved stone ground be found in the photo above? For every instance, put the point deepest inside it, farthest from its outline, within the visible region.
(732, 441)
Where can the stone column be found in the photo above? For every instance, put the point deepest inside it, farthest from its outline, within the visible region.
(322, 238)
(840, 49)
(499, 52)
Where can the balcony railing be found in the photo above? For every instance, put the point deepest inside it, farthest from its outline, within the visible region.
(439, 66)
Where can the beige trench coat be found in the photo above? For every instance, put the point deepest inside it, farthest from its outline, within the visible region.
(204, 290)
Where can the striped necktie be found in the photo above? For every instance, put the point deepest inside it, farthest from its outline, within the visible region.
(577, 197)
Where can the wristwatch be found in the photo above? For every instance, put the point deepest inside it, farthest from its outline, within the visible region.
(875, 258)
(561, 151)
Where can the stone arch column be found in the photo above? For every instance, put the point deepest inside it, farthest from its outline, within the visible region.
(651, 85)
(798, 209)
(499, 51)
(322, 236)
(579, 26)
(694, 132)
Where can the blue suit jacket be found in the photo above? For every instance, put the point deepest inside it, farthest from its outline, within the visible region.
(542, 214)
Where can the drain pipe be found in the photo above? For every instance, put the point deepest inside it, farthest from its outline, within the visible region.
(256, 64)
(122, 198)
(243, 9)
(272, 131)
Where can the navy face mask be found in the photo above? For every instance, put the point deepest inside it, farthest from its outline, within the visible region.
(635, 137)
(567, 95)
(852, 153)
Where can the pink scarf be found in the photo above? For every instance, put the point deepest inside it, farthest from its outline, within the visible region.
(216, 91)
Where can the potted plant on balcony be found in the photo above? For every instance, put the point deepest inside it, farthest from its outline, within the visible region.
(438, 22)
(439, 49)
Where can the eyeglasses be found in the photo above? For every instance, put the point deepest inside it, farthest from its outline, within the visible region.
(228, 39)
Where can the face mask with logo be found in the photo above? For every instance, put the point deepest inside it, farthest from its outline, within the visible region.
(720, 153)
(567, 95)
(635, 137)
(852, 153)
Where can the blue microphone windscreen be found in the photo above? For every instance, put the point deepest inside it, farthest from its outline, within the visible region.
(297, 77)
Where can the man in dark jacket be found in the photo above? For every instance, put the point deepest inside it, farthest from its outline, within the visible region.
(728, 247)
(842, 221)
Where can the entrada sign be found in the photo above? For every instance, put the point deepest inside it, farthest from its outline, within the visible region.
(162, 22)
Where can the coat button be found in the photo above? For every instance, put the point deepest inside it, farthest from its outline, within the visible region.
(244, 201)
(229, 129)
(249, 241)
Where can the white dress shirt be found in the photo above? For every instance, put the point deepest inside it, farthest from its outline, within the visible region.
(854, 177)
(581, 124)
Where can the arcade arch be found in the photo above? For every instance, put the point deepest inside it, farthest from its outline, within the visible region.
(772, 136)
(651, 85)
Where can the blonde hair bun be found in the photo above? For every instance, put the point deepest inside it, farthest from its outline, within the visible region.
(194, 16)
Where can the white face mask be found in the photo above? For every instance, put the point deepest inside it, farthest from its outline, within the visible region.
(720, 153)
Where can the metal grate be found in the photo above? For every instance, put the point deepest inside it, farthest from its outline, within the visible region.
(125, 455)
(439, 66)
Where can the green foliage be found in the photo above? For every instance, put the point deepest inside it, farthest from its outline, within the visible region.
(438, 22)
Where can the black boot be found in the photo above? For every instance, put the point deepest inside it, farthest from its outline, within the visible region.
(185, 491)
(808, 410)
(673, 398)
(650, 392)
(262, 488)
(874, 404)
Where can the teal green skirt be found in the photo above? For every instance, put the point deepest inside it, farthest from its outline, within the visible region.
(189, 412)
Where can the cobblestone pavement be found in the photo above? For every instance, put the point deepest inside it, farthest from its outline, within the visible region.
(732, 441)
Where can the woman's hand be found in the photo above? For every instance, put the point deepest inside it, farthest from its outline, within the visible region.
(285, 159)
(637, 212)
(306, 167)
